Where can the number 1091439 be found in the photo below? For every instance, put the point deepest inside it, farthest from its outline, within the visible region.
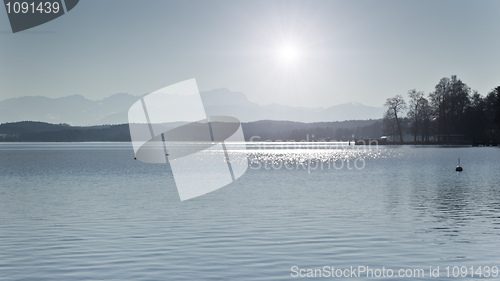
(32, 7)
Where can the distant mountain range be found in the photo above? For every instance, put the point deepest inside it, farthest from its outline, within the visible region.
(79, 111)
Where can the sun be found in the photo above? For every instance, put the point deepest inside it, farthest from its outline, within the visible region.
(288, 54)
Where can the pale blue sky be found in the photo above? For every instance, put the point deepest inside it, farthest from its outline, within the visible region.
(360, 51)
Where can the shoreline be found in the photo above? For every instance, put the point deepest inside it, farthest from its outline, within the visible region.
(436, 143)
(371, 142)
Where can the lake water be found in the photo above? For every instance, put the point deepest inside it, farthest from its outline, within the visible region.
(88, 211)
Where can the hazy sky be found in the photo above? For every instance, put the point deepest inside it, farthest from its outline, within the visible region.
(309, 53)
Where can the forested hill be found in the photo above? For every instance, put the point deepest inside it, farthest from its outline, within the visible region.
(29, 131)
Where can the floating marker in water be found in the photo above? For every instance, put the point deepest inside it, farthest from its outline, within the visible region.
(459, 169)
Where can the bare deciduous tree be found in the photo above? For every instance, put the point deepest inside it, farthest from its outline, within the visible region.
(414, 112)
(396, 105)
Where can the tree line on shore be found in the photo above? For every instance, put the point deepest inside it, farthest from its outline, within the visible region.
(451, 113)
(265, 130)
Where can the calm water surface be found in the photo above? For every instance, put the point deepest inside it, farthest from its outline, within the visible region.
(88, 211)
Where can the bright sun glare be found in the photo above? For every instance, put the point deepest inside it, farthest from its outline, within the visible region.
(289, 54)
